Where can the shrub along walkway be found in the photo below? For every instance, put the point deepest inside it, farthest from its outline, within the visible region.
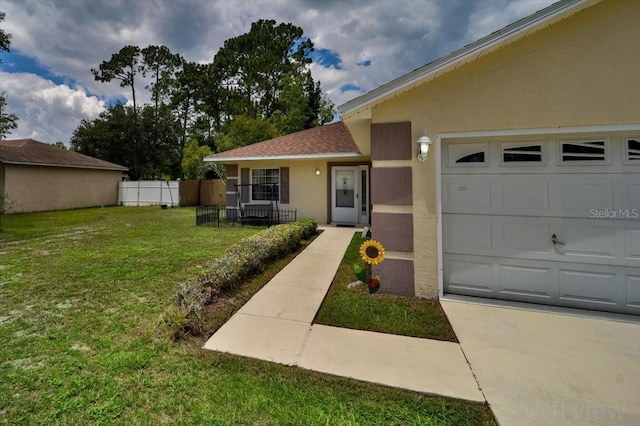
(276, 325)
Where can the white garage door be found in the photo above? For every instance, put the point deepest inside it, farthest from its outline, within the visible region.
(554, 220)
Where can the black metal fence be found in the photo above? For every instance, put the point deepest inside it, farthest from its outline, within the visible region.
(209, 215)
(287, 216)
(216, 215)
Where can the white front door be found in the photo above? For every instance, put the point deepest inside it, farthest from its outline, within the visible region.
(344, 194)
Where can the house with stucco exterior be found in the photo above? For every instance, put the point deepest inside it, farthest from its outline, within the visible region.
(508, 169)
(305, 166)
(36, 176)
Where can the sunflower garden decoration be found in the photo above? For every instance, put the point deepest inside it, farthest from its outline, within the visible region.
(372, 253)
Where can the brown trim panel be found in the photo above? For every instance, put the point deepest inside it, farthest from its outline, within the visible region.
(232, 200)
(397, 277)
(232, 180)
(391, 141)
(231, 183)
(232, 170)
(393, 230)
(391, 185)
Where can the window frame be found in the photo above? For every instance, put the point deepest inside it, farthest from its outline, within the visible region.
(482, 147)
(627, 160)
(251, 188)
(512, 144)
(604, 162)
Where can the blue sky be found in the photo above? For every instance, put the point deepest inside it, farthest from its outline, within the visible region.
(327, 58)
(15, 61)
(359, 45)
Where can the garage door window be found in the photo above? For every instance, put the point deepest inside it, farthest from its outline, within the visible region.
(633, 151)
(529, 152)
(473, 154)
(591, 151)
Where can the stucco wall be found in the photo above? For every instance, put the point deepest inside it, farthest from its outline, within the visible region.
(580, 71)
(361, 133)
(39, 188)
(2, 173)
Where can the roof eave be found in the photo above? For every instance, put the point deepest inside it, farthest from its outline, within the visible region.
(330, 155)
(28, 163)
(465, 54)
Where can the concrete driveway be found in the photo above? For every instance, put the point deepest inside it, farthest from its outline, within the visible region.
(546, 368)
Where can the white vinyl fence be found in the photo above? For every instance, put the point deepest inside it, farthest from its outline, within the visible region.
(149, 193)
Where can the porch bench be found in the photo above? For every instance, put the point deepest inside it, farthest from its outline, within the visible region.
(257, 213)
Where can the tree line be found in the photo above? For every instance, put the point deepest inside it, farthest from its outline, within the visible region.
(257, 87)
(8, 122)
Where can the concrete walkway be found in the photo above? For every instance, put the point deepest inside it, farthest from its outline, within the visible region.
(539, 367)
(534, 367)
(275, 325)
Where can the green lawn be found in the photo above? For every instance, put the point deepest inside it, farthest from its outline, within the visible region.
(81, 292)
(356, 308)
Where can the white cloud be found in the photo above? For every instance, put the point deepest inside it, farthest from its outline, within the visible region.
(497, 14)
(71, 37)
(46, 111)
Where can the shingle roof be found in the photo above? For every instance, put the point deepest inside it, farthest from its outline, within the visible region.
(31, 152)
(329, 141)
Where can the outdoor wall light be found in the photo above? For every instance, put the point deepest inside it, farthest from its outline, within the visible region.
(424, 142)
(317, 172)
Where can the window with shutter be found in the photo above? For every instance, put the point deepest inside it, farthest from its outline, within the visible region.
(263, 181)
(265, 184)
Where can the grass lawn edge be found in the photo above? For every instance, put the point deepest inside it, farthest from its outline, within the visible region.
(356, 309)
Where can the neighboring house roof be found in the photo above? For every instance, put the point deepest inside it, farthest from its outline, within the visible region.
(507, 35)
(34, 153)
(328, 141)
